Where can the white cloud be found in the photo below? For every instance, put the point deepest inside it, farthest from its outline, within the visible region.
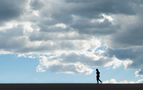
(81, 68)
(140, 81)
(115, 63)
(115, 81)
(123, 81)
(61, 25)
(57, 66)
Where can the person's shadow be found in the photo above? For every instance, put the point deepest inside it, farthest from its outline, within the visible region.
(98, 76)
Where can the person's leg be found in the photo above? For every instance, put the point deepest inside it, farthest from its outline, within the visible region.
(100, 81)
(97, 78)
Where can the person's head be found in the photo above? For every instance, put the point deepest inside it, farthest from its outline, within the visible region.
(96, 69)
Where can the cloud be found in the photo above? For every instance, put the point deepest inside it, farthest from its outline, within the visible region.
(140, 81)
(123, 81)
(36, 4)
(115, 81)
(57, 66)
(74, 31)
(77, 14)
(45, 30)
(11, 10)
(99, 6)
(134, 54)
(78, 62)
(139, 72)
(130, 33)
(129, 37)
(115, 63)
(103, 25)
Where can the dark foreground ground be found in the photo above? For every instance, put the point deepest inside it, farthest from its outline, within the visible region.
(71, 86)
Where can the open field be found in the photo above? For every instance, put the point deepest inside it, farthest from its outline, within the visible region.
(71, 86)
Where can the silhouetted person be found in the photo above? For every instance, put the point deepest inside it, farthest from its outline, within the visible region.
(97, 76)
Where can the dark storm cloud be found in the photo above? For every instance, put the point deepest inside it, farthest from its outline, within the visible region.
(12, 38)
(86, 7)
(11, 9)
(93, 8)
(36, 4)
(91, 26)
(130, 37)
(121, 53)
(87, 10)
(130, 33)
(76, 15)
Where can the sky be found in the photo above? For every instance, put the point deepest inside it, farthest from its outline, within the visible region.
(64, 41)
